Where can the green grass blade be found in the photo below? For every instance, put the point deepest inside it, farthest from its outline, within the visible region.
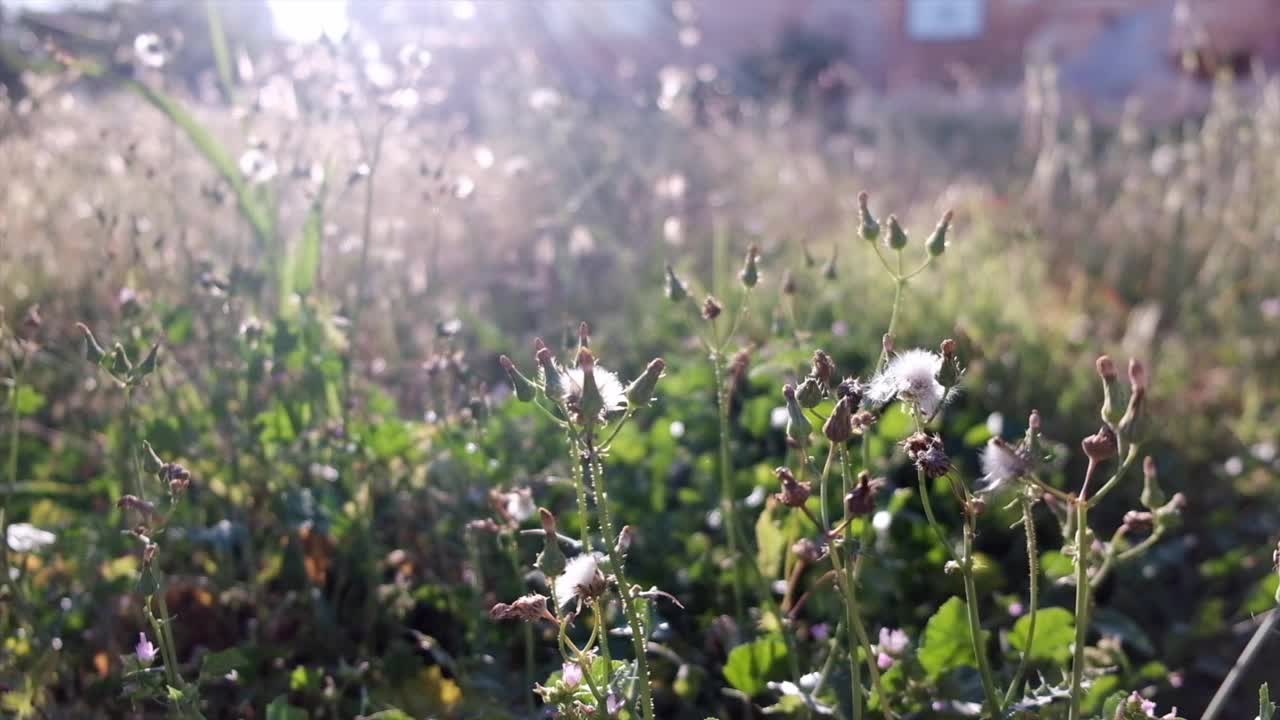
(221, 51)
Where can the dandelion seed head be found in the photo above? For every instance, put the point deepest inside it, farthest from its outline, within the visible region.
(607, 382)
(579, 575)
(912, 377)
(1001, 463)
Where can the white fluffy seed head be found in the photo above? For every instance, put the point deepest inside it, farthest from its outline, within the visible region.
(912, 377)
(1001, 464)
(579, 573)
(610, 387)
(25, 537)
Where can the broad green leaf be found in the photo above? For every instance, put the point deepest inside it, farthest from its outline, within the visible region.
(751, 666)
(1055, 631)
(280, 709)
(1055, 565)
(946, 644)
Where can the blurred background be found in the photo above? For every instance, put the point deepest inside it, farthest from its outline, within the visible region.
(334, 216)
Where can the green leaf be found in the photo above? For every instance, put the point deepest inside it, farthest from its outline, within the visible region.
(392, 714)
(221, 51)
(946, 645)
(280, 709)
(751, 666)
(1055, 631)
(1266, 710)
(771, 543)
(304, 257)
(1055, 565)
(29, 400)
(218, 664)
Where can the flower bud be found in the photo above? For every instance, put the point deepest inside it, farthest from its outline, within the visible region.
(584, 335)
(937, 242)
(93, 351)
(886, 342)
(120, 365)
(148, 364)
(788, 286)
(928, 454)
(794, 493)
(1136, 521)
(798, 426)
(676, 290)
(591, 404)
(839, 425)
(711, 308)
(551, 560)
(897, 235)
(640, 391)
(809, 394)
(851, 388)
(950, 373)
(750, 274)
(1132, 426)
(1100, 446)
(1152, 494)
(151, 462)
(1110, 391)
(868, 227)
(551, 380)
(1169, 515)
(524, 389)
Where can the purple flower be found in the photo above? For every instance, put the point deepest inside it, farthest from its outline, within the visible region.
(145, 651)
(613, 704)
(820, 632)
(571, 673)
(884, 661)
(892, 644)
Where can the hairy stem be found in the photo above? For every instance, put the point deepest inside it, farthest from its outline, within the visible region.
(1033, 583)
(725, 467)
(994, 706)
(591, 467)
(1082, 607)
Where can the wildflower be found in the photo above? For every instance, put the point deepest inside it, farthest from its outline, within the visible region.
(794, 493)
(851, 388)
(581, 580)
(824, 368)
(592, 390)
(571, 674)
(640, 391)
(868, 227)
(1001, 463)
(893, 643)
(711, 308)
(613, 704)
(527, 608)
(928, 454)
(937, 242)
(144, 650)
(912, 377)
(25, 537)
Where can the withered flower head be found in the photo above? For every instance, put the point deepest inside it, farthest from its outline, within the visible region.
(794, 493)
(711, 308)
(528, 608)
(928, 454)
(861, 500)
(839, 425)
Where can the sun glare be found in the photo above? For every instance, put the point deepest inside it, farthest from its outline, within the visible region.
(309, 20)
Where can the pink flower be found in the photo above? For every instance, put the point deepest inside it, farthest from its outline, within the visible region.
(145, 651)
(571, 673)
(884, 661)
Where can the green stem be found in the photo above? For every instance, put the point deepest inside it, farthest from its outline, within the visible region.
(513, 553)
(923, 483)
(853, 571)
(11, 486)
(638, 639)
(727, 505)
(1033, 582)
(994, 706)
(1082, 607)
(1117, 477)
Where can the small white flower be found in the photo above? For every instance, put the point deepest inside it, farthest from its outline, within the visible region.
(257, 166)
(1000, 464)
(610, 387)
(912, 377)
(149, 49)
(581, 572)
(25, 537)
